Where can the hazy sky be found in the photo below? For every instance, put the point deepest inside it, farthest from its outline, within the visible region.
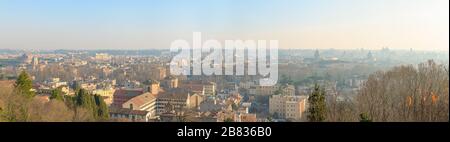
(145, 24)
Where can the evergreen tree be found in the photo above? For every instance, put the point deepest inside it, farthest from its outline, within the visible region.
(75, 85)
(317, 108)
(363, 117)
(79, 97)
(93, 103)
(234, 106)
(102, 109)
(228, 120)
(84, 99)
(24, 85)
(57, 94)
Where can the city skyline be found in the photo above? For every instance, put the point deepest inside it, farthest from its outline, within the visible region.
(303, 24)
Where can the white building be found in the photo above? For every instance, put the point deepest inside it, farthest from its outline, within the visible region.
(143, 102)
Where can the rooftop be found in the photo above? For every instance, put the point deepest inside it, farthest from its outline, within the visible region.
(178, 93)
(128, 92)
(141, 99)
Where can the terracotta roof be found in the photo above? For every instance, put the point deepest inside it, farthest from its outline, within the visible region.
(141, 99)
(177, 93)
(128, 92)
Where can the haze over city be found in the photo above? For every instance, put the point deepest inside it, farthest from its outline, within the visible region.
(225, 61)
(304, 24)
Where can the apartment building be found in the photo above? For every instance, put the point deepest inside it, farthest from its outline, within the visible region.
(287, 107)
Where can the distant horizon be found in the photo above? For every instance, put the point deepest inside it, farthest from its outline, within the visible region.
(140, 24)
(167, 49)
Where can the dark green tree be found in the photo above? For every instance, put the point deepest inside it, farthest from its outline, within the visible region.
(84, 99)
(24, 85)
(93, 103)
(76, 85)
(102, 109)
(234, 106)
(317, 107)
(363, 117)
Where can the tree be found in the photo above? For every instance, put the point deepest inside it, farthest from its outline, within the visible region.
(228, 120)
(317, 109)
(286, 80)
(84, 99)
(24, 85)
(406, 93)
(269, 119)
(93, 104)
(363, 117)
(102, 109)
(53, 111)
(57, 94)
(16, 111)
(234, 106)
(83, 107)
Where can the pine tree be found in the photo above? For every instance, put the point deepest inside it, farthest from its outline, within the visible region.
(24, 85)
(317, 108)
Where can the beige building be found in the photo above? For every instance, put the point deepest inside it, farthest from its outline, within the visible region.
(287, 107)
(172, 100)
(89, 86)
(208, 88)
(245, 117)
(102, 56)
(270, 90)
(288, 90)
(195, 100)
(55, 83)
(106, 93)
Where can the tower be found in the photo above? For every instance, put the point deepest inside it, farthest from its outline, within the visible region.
(152, 86)
(317, 55)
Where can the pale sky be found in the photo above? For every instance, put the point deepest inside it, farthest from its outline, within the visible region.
(148, 24)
